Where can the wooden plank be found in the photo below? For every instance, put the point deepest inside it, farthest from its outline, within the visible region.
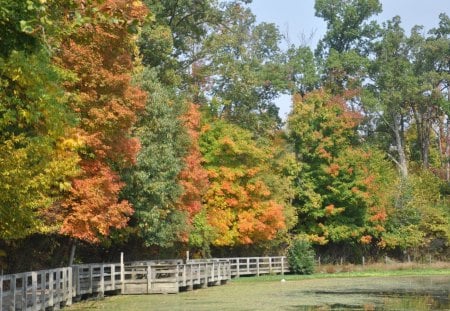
(102, 281)
(69, 286)
(149, 278)
(34, 282)
(13, 291)
(57, 289)
(43, 290)
(122, 273)
(50, 289)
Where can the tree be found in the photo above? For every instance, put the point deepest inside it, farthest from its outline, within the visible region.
(153, 185)
(37, 145)
(240, 206)
(193, 177)
(241, 70)
(338, 198)
(394, 86)
(99, 55)
(344, 48)
(302, 70)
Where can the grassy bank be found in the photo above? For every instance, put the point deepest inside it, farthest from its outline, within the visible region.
(349, 270)
(315, 292)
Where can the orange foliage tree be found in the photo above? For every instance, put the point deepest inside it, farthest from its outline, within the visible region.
(240, 206)
(193, 178)
(100, 56)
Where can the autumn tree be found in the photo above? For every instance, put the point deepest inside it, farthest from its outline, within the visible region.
(105, 103)
(193, 177)
(240, 206)
(37, 145)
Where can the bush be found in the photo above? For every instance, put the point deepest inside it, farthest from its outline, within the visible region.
(301, 257)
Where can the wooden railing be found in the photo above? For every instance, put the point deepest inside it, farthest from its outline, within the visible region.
(240, 266)
(52, 289)
(258, 265)
(36, 290)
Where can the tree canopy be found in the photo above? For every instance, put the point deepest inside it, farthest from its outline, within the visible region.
(153, 126)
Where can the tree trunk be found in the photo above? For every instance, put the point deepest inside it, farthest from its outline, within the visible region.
(73, 247)
(402, 162)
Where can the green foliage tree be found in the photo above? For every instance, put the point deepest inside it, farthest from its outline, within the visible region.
(338, 196)
(152, 185)
(343, 50)
(242, 70)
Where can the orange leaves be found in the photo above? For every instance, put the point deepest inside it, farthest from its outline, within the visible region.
(193, 178)
(92, 207)
(240, 203)
(329, 209)
(99, 55)
(366, 239)
(380, 216)
(250, 214)
(333, 169)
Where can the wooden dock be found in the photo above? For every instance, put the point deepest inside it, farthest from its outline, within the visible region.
(56, 288)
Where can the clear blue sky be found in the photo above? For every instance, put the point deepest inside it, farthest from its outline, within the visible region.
(296, 19)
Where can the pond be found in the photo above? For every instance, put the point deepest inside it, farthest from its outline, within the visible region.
(368, 293)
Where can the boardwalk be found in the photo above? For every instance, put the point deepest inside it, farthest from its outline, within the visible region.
(56, 288)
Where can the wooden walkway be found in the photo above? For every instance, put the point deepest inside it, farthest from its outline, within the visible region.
(56, 288)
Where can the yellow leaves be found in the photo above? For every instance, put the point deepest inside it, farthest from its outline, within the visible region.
(316, 239)
(72, 143)
(137, 4)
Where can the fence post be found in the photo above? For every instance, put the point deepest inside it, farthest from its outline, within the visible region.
(69, 273)
(58, 288)
(122, 273)
(91, 278)
(102, 280)
(33, 290)
(149, 279)
(64, 284)
(43, 289)
(24, 290)
(257, 265)
(50, 289)
(282, 265)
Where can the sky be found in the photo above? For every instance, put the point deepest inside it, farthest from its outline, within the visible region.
(295, 18)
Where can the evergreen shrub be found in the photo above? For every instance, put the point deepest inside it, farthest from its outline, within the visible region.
(300, 256)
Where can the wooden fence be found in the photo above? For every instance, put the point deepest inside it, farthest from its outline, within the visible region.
(37, 290)
(53, 289)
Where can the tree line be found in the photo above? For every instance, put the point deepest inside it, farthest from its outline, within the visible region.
(151, 127)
